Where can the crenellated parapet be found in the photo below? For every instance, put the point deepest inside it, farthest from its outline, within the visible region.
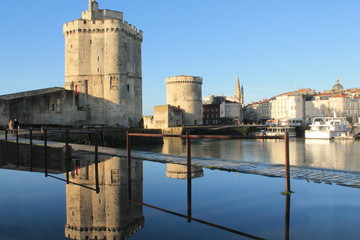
(183, 79)
(81, 26)
(104, 232)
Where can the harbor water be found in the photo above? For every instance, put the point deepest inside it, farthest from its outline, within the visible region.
(224, 205)
(316, 153)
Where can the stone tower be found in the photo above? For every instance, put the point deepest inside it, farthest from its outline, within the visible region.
(239, 92)
(185, 92)
(103, 67)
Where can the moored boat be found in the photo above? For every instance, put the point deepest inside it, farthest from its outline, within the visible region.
(347, 136)
(328, 127)
(280, 131)
(277, 131)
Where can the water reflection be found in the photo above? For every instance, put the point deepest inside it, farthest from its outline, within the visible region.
(107, 215)
(175, 146)
(89, 215)
(340, 155)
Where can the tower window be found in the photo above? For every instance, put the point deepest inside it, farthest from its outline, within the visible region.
(90, 41)
(128, 87)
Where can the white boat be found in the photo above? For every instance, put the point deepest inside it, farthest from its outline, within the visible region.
(280, 131)
(277, 131)
(327, 127)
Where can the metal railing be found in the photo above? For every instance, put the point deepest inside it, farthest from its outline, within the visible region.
(188, 138)
(46, 155)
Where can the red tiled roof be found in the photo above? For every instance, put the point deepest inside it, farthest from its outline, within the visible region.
(302, 90)
(323, 94)
(340, 95)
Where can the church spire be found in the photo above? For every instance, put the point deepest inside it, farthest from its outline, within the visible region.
(238, 91)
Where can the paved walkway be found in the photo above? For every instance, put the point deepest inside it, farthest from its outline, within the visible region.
(339, 177)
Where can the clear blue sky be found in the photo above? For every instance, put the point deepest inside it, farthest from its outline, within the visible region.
(274, 45)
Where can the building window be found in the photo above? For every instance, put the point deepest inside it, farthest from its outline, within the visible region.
(128, 87)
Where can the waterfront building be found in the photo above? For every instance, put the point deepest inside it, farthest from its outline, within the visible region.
(257, 112)
(230, 112)
(164, 116)
(230, 107)
(211, 114)
(290, 105)
(103, 81)
(344, 104)
(305, 104)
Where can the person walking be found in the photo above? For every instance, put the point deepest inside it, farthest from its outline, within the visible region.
(16, 124)
(10, 125)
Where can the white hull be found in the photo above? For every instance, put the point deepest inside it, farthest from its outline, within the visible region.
(280, 131)
(322, 134)
(280, 134)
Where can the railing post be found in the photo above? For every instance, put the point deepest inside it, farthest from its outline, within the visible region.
(188, 161)
(287, 163)
(17, 147)
(128, 148)
(31, 149)
(46, 152)
(287, 217)
(96, 163)
(102, 138)
(5, 146)
(67, 159)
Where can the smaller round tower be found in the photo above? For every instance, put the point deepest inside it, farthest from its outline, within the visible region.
(185, 92)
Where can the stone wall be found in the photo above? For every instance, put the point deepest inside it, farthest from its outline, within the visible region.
(4, 114)
(52, 108)
(164, 116)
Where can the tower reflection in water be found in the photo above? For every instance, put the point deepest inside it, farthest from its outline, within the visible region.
(107, 215)
(174, 146)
